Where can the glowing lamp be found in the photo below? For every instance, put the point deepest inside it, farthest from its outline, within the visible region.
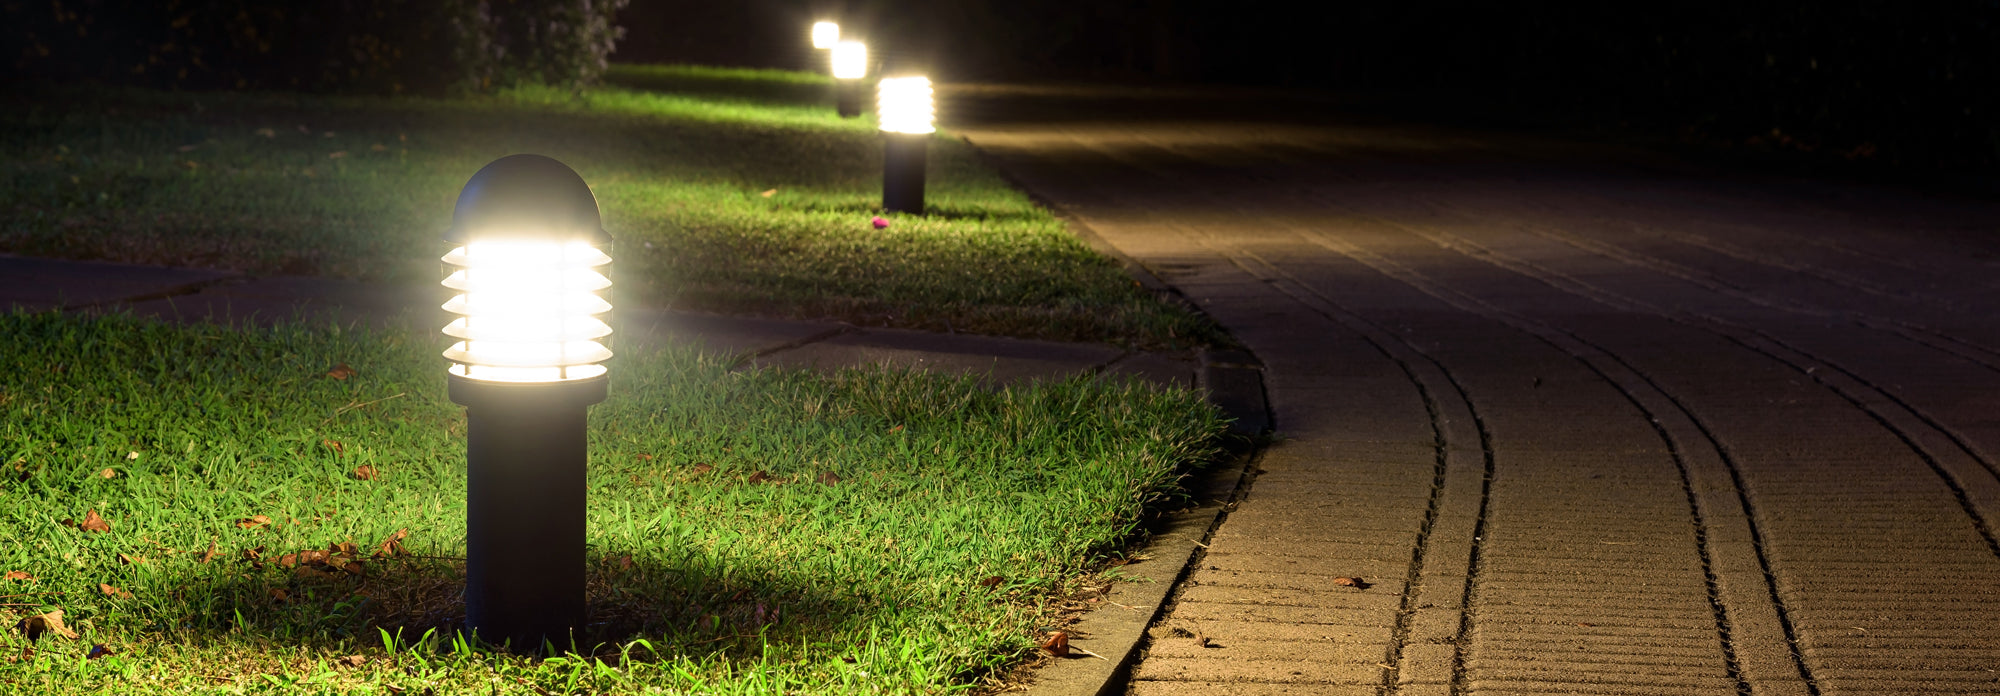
(850, 65)
(825, 34)
(527, 270)
(850, 60)
(906, 111)
(905, 106)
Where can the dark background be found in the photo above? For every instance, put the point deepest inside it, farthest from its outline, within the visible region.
(1893, 86)
(1898, 85)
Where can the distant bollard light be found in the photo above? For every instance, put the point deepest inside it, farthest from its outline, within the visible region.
(528, 269)
(824, 34)
(850, 65)
(907, 113)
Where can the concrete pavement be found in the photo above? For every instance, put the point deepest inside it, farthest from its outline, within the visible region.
(1578, 419)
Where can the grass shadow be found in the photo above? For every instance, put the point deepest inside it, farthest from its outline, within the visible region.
(687, 605)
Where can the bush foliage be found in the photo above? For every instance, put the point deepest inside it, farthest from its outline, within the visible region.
(391, 46)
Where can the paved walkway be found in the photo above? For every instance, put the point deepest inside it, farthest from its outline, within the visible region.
(1579, 420)
(201, 295)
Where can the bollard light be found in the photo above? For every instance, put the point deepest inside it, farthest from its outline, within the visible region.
(850, 65)
(907, 114)
(528, 272)
(824, 34)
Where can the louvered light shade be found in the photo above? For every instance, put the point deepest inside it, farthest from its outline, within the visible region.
(529, 276)
(905, 105)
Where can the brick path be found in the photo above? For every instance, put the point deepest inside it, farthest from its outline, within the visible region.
(1584, 422)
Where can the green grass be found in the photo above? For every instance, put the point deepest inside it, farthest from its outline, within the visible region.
(363, 187)
(702, 581)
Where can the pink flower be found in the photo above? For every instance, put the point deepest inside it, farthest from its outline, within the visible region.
(879, 223)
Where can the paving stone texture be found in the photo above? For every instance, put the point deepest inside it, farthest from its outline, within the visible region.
(1584, 420)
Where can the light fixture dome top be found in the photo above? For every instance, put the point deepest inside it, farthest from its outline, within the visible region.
(526, 197)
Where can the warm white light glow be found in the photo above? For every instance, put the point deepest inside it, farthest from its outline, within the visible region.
(825, 34)
(905, 105)
(850, 60)
(528, 310)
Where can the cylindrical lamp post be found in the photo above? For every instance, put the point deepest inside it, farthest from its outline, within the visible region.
(850, 65)
(907, 115)
(528, 267)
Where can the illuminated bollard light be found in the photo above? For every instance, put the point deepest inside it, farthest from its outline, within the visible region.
(850, 65)
(907, 117)
(825, 34)
(528, 269)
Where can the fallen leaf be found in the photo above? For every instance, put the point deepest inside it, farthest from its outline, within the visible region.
(829, 478)
(1585, 625)
(700, 469)
(333, 445)
(97, 651)
(352, 567)
(1057, 644)
(209, 556)
(336, 155)
(992, 582)
(131, 455)
(770, 193)
(625, 562)
(340, 372)
(130, 560)
(1356, 583)
(266, 132)
(19, 575)
(351, 661)
(760, 476)
(92, 523)
(107, 473)
(393, 546)
(34, 626)
(253, 522)
(364, 472)
(879, 223)
(110, 591)
(278, 594)
(345, 548)
(896, 429)
(254, 556)
(642, 456)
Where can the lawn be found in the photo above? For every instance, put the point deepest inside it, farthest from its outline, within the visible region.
(734, 191)
(219, 510)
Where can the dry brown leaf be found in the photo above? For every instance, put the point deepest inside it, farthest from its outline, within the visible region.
(642, 456)
(700, 469)
(393, 546)
(131, 455)
(1057, 644)
(107, 473)
(34, 626)
(333, 445)
(128, 559)
(340, 372)
(19, 575)
(97, 651)
(253, 522)
(352, 567)
(351, 661)
(209, 556)
(92, 523)
(110, 591)
(992, 582)
(761, 476)
(364, 472)
(278, 594)
(829, 478)
(345, 548)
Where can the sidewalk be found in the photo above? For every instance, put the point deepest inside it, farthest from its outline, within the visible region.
(202, 295)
